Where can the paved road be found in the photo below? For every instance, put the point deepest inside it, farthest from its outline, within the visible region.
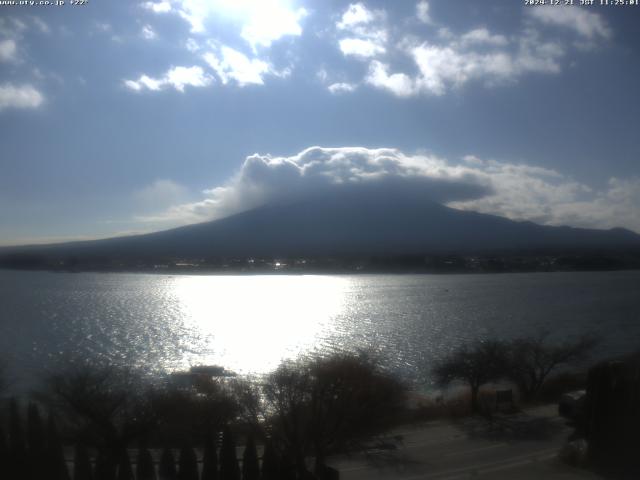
(522, 446)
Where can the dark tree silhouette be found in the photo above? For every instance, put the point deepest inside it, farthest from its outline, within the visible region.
(82, 464)
(229, 469)
(270, 463)
(250, 466)
(18, 461)
(324, 405)
(16, 435)
(531, 360)
(188, 464)
(475, 365)
(5, 459)
(288, 469)
(125, 472)
(527, 362)
(4, 380)
(57, 465)
(35, 430)
(145, 470)
(4, 453)
(190, 414)
(105, 465)
(37, 442)
(167, 469)
(103, 404)
(210, 461)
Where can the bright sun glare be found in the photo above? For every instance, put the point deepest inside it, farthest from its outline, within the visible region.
(253, 322)
(263, 21)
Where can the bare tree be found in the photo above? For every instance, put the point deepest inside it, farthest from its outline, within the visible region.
(474, 365)
(325, 405)
(103, 404)
(287, 394)
(527, 362)
(531, 360)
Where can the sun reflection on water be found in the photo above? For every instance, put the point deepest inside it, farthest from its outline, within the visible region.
(250, 323)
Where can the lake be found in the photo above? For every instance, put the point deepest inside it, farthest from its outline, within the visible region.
(250, 323)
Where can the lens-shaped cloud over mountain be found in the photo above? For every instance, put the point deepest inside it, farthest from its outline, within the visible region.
(513, 190)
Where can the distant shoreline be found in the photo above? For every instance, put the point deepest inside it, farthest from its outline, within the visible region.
(294, 272)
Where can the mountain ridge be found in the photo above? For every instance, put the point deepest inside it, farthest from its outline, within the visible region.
(344, 225)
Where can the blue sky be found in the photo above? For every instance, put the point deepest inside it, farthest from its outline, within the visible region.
(123, 117)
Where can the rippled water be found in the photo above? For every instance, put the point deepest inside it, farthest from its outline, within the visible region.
(249, 323)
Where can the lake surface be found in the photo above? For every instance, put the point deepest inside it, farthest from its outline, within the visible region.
(250, 323)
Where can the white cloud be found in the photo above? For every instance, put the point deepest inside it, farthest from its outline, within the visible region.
(365, 30)
(360, 48)
(442, 60)
(548, 197)
(261, 22)
(482, 36)
(7, 50)
(144, 82)
(157, 7)
(20, 97)
(360, 22)
(357, 14)
(180, 77)
(516, 191)
(41, 25)
(522, 192)
(161, 194)
(12, 27)
(422, 12)
(282, 73)
(322, 75)
(176, 77)
(397, 83)
(615, 206)
(103, 27)
(587, 24)
(14, 30)
(148, 33)
(342, 87)
(535, 54)
(264, 179)
(268, 25)
(192, 45)
(231, 64)
(442, 67)
(194, 13)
